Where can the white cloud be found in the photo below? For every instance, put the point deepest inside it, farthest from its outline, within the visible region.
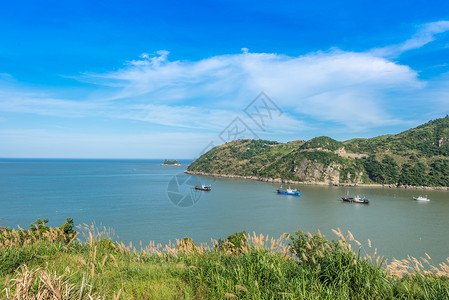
(320, 85)
(425, 35)
(209, 93)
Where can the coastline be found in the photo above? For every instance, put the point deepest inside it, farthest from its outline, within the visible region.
(283, 181)
(171, 165)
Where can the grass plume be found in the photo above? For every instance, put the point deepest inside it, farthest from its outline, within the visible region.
(95, 265)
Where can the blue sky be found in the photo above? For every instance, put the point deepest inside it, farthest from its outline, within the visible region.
(127, 79)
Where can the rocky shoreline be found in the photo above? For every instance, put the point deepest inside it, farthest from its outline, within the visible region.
(283, 181)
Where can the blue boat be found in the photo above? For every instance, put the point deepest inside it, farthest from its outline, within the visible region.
(289, 192)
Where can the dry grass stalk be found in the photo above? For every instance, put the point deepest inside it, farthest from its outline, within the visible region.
(93, 233)
(241, 288)
(13, 238)
(92, 270)
(422, 266)
(37, 284)
(230, 295)
(308, 246)
(113, 258)
(82, 260)
(351, 237)
(104, 260)
(285, 293)
(116, 297)
(74, 237)
(279, 245)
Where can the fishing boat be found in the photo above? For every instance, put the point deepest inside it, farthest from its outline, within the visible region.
(289, 191)
(356, 199)
(206, 188)
(421, 198)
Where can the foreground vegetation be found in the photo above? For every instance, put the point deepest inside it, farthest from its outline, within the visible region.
(50, 263)
(416, 157)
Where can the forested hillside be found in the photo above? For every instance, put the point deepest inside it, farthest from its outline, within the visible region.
(416, 157)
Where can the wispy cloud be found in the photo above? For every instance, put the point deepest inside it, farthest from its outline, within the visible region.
(203, 118)
(426, 34)
(208, 93)
(36, 103)
(5, 76)
(321, 84)
(183, 116)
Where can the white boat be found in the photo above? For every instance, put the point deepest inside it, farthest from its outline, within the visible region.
(421, 198)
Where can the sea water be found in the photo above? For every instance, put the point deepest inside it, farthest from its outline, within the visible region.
(144, 201)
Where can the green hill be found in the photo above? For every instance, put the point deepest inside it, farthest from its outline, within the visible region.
(168, 162)
(322, 142)
(416, 157)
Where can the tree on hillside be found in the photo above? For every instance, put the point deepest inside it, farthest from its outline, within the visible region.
(385, 172)
(414, 175)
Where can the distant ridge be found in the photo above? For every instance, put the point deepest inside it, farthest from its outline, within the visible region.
(418, 157)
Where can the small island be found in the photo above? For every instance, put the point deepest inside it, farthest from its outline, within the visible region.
(168, 162)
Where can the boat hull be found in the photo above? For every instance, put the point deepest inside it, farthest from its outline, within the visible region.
(353, 200)
(421, 199)
(286, 193)
(206, 189)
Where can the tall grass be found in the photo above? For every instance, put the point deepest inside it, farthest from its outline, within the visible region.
(244, 266)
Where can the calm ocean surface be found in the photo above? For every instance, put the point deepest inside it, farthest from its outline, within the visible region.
(132, 197)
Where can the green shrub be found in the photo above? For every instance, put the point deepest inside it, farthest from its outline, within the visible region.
(39, 225)
(234, 242)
